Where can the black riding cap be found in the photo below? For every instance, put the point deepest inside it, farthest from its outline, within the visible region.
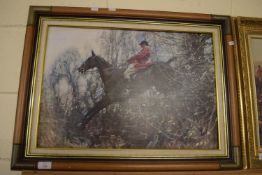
(144, 42)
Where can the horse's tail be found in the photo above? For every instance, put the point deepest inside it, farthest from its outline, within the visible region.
(170, 60)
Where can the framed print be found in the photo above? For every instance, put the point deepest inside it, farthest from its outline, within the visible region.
(250, 45)
(126, 90)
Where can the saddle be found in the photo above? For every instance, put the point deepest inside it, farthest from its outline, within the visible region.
(143, 66)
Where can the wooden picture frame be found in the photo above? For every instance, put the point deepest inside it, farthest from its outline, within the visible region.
(197, 48)
(248, 32)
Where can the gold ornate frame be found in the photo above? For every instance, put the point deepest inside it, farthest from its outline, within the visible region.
(22, 160)
(248, 28)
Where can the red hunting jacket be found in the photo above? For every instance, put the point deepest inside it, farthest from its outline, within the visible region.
(140, 59)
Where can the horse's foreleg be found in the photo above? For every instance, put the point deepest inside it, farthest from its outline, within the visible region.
(104, 102)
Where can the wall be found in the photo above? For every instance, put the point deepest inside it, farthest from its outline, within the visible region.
(13, 18)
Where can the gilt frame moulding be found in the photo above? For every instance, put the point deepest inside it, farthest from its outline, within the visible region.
(73, 116)
(249, 36)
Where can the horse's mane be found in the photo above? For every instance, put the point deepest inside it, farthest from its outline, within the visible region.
(103, 61)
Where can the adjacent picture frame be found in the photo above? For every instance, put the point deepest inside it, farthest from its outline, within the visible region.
(126, 90)
(249, 35)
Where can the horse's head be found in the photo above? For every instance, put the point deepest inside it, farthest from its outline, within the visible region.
(89, 63)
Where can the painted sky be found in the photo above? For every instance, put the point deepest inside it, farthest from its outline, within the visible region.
(62, 38)
(256, 49)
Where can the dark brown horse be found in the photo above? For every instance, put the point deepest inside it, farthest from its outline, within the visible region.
(160, 75)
